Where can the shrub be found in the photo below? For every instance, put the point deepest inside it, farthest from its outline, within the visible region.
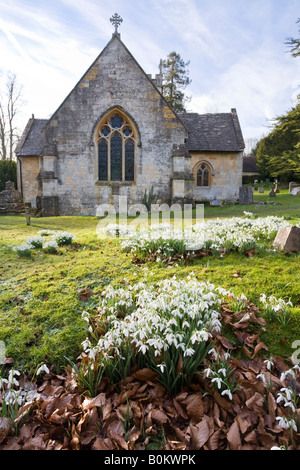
(8, 172)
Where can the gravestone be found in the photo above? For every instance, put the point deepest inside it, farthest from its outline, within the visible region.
(246, 195)
(272, 193)
(295, 191)
(261, 190)
(288, 239)
(293, 185)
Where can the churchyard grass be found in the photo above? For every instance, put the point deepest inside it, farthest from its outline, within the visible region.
(42, 297)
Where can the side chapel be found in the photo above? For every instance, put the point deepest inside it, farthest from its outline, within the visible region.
(115, 135)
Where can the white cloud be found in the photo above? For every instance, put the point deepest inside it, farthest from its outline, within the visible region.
(235, 48)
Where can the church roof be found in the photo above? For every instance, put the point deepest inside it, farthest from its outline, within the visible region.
(250, 164)
(213, 132)
(32, 141)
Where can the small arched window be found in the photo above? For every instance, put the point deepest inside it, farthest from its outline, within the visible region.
(116, 148)
(203, 175)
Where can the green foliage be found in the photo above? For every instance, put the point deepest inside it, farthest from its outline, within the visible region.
(278, 154)
(175, 79)
(294, 44)
(8, 172)
(149, 198)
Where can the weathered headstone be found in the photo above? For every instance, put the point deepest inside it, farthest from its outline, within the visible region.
(272, 193)
(246, 195)
(261, 190)
(295, 191)
(288, 239)
(293, 185)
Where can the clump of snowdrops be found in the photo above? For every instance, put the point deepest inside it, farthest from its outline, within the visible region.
(163, 240)
(287, 397)
(47, 240)
(167, 327)
(276, 309)
(17, 398)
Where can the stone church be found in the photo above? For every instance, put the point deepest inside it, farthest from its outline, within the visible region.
(115, 135)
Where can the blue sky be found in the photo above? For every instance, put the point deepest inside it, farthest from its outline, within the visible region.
(235, 47)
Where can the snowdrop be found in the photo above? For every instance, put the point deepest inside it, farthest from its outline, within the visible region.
(286, 423)
(227, 392)
(42, 368)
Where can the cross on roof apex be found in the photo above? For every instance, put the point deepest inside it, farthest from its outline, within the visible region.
(116, 20)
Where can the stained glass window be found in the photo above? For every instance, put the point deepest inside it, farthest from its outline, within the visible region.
(116, 147)
(103, 163)
(116, 157)
(203, 175)
(129, 160)
(116, 121)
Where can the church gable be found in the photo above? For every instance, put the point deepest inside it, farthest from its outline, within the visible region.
(115, 135)
(115, 79)
(99, 159)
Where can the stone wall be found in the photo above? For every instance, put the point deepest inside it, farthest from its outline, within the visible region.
(10, 200)
(226, 176)
(29, 183)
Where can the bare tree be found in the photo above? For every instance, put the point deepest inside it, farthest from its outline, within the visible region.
(9, 109)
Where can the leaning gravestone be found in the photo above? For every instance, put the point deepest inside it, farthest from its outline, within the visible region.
(246, 195)
(288, 239)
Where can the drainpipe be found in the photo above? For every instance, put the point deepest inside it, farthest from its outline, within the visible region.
(21, 180)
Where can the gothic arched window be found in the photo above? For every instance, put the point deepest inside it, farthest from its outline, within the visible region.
(116, 148)
(203, 175)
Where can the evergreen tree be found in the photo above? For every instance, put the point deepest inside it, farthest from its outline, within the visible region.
(294, 44)
(8, 172)
(278, 154)
(175, 79)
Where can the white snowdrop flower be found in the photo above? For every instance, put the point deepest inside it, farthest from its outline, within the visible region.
(42, 368)
(286, 373)
(263, 378)
(143, 348)
(286, 423)
(161, 367)
(222, 371)
(2, 382)
(289, 404)
(214, 353)
(269, 363)
(208, 372)
(227, 392)
(11, 378)
(189, 352)
(218, 380)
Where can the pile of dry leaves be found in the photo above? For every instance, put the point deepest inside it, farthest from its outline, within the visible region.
(139, 414)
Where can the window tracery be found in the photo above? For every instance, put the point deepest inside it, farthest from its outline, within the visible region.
(203, 175)
(116, 148)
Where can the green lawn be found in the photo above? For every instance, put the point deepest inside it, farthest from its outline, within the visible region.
(41, 298)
